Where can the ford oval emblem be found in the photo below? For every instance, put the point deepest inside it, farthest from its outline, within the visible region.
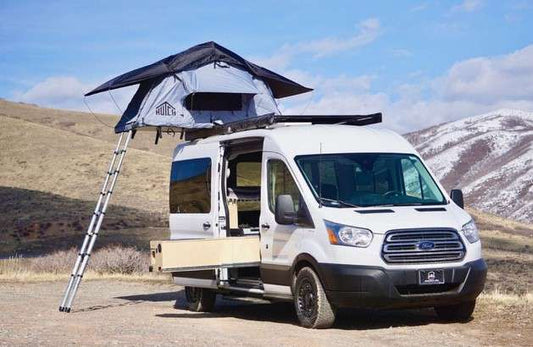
(426, 245)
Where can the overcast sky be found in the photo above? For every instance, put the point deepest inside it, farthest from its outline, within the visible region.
(420, 62)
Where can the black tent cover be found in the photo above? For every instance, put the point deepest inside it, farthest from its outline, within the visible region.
(198, 56)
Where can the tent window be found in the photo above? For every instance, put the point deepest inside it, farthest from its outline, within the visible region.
(190, 186)
(213, 102)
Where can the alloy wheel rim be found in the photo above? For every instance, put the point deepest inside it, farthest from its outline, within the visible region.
(307, 300)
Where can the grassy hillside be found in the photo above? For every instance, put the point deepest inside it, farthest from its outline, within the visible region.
(51, 170)
(508, 250)
(34, 222)
(47, 159)
(84, 124)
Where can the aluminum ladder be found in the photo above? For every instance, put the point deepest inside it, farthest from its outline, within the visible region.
(96, 222)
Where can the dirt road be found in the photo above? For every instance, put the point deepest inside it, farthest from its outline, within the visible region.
(136, 313)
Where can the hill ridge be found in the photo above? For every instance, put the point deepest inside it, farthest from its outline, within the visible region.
(489, 156)
(84, 124)
(112, 145)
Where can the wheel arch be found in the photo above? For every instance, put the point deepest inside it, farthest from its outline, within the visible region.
(301, 261)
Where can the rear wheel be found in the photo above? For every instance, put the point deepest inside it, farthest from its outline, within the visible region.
(312, 306)
(200, 299)
(456, 313)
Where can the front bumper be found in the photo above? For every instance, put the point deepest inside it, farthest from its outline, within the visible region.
(376, 287)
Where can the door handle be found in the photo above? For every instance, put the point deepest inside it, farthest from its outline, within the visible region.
(206, 225)
(265, 226)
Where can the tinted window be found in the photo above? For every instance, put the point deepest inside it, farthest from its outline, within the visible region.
(190, 186)
(213, 102)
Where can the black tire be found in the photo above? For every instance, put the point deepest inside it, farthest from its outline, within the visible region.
(312, 306)
(456, 313)
(200, 299)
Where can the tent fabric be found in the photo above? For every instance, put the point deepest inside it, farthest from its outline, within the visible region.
(160, 102)
(196, 57)
(219, 78)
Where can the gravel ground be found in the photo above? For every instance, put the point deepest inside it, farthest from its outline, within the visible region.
(109, 312)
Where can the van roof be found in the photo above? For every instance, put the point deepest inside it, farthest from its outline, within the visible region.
(299, 139)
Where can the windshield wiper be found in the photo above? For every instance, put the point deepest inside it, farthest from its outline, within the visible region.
(339, 202)
(399, 204)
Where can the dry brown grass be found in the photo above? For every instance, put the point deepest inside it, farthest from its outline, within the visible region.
(496, 295)
(84, 124)
(508, 251)
(511, 310)
(109, 262)
(36, 223)
(488, 222)
(51, 170)
(46, 159)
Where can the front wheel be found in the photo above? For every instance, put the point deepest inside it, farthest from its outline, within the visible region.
(312, 306)
(200, 299)
(456, 313)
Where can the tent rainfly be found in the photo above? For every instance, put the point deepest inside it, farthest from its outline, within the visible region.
(198, 88)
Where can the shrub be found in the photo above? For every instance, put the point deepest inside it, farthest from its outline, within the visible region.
(108, 260)
(57, 262)
(115, 259)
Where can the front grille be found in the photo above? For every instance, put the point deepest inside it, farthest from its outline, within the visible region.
(415, 246)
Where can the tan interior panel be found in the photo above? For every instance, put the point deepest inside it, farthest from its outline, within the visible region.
(188, 255)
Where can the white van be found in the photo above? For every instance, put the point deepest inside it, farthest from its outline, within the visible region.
(329, 216)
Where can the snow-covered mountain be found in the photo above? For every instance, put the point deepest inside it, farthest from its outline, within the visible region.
(489, 156)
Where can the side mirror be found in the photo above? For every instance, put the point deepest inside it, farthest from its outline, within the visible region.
(285, 213)
(457, 197)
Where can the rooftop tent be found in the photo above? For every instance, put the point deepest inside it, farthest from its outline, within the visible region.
(204, 85)
(197, 98)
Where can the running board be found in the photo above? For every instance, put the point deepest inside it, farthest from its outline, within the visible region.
(256, 291)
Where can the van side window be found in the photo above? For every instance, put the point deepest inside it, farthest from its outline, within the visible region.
(190, 186)
(280, 182)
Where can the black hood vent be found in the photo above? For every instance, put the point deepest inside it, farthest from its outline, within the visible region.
(381, 210)
(431, 209)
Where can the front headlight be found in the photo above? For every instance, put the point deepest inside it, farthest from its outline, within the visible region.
(470, 231)
(346, 235)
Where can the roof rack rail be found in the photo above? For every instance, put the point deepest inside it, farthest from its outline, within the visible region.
(264, 121)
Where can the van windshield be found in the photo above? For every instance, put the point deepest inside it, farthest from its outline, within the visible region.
(369, 179)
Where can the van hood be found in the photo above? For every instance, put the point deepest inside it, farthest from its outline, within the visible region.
(382, 219)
